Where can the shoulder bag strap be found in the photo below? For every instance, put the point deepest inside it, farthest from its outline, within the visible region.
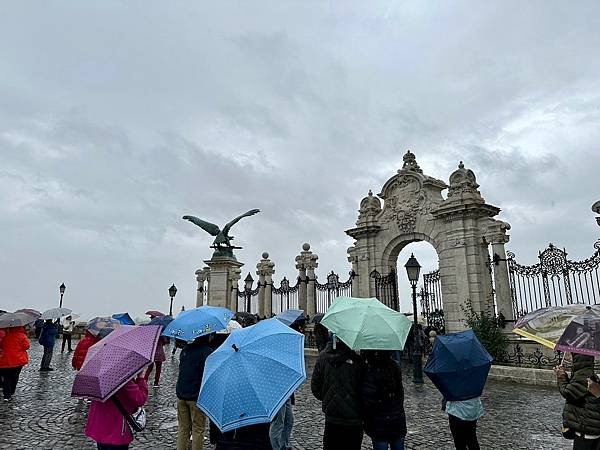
(123, 412)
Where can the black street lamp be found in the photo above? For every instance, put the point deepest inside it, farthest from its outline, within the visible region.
(172, 292)
(61, 288)
(413, 268)
(248, 290)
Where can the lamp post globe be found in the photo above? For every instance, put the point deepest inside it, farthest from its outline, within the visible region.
(61, 289)
(413, 269)
(172, 292)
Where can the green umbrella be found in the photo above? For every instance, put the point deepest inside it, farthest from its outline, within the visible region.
(367, 324)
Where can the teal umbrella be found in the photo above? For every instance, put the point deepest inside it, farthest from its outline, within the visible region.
(367, 324)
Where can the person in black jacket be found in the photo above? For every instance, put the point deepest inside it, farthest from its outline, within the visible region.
(383, 401)
(337, 382)
(189, 417)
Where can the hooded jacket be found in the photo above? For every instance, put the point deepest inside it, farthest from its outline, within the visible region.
(191, 367)
(14, 348)
(336, 381)
(81, 350)
(582, 410)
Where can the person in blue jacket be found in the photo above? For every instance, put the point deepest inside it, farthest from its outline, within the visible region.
(462, 417)
(47, 340)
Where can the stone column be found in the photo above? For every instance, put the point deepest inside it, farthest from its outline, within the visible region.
(265, 270)
(234, 277)
(202, 275)
(307, 261)
(224, 271)
(301, 262)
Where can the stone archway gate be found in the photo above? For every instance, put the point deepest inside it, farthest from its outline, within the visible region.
(461, 228)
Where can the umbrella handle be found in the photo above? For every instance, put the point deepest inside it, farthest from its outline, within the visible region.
(562, 360)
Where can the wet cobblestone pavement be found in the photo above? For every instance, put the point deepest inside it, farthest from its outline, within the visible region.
(42, 415)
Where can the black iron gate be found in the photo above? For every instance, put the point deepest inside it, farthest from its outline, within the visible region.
(285, 296)
(432, 306)
(386, 288)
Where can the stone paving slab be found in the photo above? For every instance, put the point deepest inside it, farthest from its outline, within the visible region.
(42, 415)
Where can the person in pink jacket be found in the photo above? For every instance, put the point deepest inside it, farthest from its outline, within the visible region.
(106, 425)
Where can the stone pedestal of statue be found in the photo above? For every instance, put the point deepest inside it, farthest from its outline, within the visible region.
(224, 271)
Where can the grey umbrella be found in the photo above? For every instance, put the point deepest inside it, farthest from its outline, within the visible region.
(18, 319)
(55, 313)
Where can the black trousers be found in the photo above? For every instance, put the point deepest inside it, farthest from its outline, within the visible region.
(585, 444)
(47, 358)
(338, 437)
(10, 378)
(464, 433)
(111, 447)
(66, 338)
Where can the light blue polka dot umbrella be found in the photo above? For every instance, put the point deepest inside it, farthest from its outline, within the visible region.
(197, 322)
(248, 378)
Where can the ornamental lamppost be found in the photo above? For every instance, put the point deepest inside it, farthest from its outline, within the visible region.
(413, 268)
(248, 290)
(172, 292)
(61, 288)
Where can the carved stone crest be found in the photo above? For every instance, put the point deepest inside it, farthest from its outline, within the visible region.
(404, 201)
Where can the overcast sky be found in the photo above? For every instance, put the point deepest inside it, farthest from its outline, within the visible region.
(119, 117)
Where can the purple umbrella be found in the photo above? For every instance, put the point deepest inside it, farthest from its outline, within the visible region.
(115, 360)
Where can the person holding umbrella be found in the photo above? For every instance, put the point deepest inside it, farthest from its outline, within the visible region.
(82, 348)
(13, 358)
(67, 333)
(107, 425)
(47, 340)
(458, 366)
(383, 401)
(337, 382)
(581, 414)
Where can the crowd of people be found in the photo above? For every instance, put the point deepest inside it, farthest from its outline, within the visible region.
(361, 393)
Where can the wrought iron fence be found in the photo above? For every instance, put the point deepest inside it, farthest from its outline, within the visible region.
(285, 296)
(327, 292)
(554, 280)
(386, 288)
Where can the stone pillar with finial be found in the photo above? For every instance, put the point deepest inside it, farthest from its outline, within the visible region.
(265, 270)
(596, 209)
(306, 263)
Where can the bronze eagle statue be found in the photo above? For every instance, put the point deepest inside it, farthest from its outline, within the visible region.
(222, 238)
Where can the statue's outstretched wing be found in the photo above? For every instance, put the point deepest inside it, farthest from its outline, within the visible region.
(210, 228)
(237, 219)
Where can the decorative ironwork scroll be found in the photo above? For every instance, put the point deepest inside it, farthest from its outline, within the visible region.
(247, 301)
(432, 306)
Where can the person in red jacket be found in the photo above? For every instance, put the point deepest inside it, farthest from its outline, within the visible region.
(12, 359)
(82, 348)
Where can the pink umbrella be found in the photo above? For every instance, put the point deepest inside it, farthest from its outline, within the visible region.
(115, 360)
(154, 313)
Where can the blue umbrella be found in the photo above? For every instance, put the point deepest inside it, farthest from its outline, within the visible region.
(197, 322)
(458, 365)
(251, 375)
(124, 318)
(163, 321)
(289, 316)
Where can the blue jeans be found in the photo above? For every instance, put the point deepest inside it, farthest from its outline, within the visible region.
(281, 427)
(383, 445)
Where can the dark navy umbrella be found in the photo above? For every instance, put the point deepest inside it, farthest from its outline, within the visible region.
(459, 365)
(163, 321)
